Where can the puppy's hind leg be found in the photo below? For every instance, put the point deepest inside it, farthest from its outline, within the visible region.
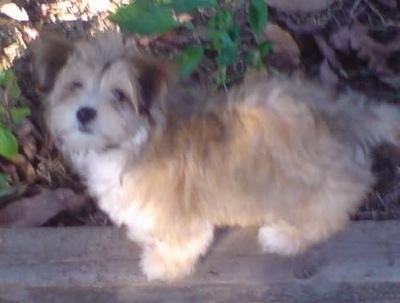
(171, 259)
(280, 238)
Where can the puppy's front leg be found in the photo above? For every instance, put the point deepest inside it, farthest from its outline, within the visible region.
(281, 238)
(170, 259)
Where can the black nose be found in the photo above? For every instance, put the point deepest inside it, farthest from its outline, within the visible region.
(86, 114)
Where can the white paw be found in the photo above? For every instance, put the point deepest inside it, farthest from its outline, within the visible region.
(282, 240)
(165, 261)
(163, 266)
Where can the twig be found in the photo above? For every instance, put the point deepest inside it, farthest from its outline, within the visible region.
(375, 10)
(329, 54)
(354, 7)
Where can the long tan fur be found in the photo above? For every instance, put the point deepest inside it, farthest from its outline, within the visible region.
(288, 157)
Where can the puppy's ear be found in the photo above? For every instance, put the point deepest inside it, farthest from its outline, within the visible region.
(50, 53)
(154, 77)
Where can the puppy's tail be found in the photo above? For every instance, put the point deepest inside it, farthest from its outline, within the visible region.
(383, 125)
(365, 123)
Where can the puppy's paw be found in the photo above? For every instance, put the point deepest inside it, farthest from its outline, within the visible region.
(162, 260)
(164, 265)
(280, 239)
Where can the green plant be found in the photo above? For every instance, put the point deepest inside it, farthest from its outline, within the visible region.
(10, 116)
(222, 38)
(5, 188)
(258, 17)
(151, 17)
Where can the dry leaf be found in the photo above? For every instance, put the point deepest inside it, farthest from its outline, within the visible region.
(389, 3)
(301, 6)
(326, 75)
(14, 12)
(340, 39)
(37, 210)
(327, 51)
(285, 54)
(253, 76)
(377, 55)
(27, 136)
(392, 81)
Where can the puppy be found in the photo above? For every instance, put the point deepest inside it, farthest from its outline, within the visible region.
(287, 157)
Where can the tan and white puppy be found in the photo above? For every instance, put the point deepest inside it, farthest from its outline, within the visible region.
(290, 158)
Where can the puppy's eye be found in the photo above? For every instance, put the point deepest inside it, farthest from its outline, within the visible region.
(75, 85)
(119, 95)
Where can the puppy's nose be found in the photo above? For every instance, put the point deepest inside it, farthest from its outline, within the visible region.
(86, 114)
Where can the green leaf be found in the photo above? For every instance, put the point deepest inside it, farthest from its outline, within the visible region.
(3, 180)
(221, 21)
(7, 191)
(9, 82)
(213, 37)
(144, 17)
(187, 6)
(3, 110)
(6, 77)
(234, 32)
(190, 59)
(265, 48)
(257, 16)
(14, 90)
(252, 58)
(227, 53)
(18, 114)
(8, 144)
(221, 76)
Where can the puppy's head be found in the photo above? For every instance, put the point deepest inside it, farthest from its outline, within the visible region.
(99, 94)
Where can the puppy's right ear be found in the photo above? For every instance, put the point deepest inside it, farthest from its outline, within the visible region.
(50, 53)
(155, 78)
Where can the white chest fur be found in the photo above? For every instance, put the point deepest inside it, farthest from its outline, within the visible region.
(103, 174)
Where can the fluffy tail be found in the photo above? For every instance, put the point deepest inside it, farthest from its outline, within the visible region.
(351, 117)
(383, 124)
(362, 122)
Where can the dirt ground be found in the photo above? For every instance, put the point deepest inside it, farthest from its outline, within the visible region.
(345, 44)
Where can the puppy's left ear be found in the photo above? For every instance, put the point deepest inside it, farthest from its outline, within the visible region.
(155, 78)
(50, 53)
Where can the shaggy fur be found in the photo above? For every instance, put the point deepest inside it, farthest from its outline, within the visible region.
(290, 158)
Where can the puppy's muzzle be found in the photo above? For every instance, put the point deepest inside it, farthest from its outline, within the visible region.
(85, 115)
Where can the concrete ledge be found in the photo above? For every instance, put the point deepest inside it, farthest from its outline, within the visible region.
(100, 265)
